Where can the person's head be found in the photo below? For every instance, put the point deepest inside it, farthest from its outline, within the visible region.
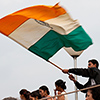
(35, 95)
(89, 95)
(60, 84)
(10, 98)
(24, 94)
(93, 94)
(44, 91)
(93, 63)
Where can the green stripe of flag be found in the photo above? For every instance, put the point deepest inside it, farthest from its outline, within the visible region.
(77, 39)
(50, 43)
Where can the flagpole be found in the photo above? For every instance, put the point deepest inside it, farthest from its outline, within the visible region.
(56, 66)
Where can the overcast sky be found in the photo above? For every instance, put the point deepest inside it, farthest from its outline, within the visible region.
(20, 68)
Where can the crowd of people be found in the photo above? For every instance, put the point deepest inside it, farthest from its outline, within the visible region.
(43, 92)
(92, 72)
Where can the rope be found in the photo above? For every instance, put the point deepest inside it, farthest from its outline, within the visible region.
(70, 92)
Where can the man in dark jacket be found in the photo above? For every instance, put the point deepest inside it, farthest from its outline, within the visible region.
(92, 72)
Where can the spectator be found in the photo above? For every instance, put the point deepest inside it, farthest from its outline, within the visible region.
(60, 89)
(10, 98)
(44, 92)
(24, 94)
(93, 94)
(35, 95)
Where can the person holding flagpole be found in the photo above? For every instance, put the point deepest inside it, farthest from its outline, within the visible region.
(92, 72)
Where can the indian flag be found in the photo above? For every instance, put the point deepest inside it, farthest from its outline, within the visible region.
(44, 30)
